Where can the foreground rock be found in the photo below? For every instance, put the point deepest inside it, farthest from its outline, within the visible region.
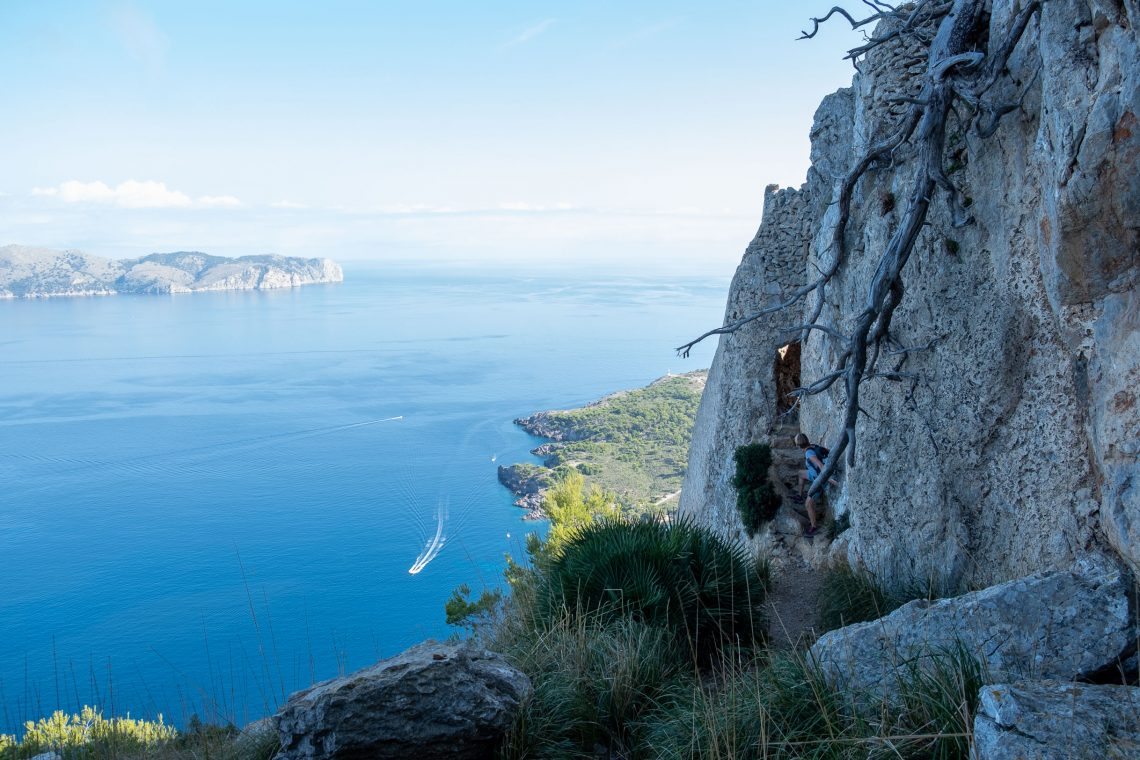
(41, 273)
(1036, 720)
(1061, 624)
(434, 700)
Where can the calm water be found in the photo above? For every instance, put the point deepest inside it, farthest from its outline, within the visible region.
(205, 501)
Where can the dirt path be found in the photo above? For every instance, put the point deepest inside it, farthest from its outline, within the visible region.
(793, 601)
(793, 604)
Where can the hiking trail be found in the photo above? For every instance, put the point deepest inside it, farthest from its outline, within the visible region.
(797, 560)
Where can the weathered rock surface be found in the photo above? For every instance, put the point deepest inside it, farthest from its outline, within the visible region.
(41, 273)
(431, 701)
(1043, 720)
(1056, 624)
(1017, 446)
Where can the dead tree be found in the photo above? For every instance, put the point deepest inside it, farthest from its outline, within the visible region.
(963, 65)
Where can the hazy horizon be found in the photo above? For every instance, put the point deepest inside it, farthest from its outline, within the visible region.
(588, 135)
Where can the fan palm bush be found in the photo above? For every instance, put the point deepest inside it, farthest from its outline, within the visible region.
(680, 577)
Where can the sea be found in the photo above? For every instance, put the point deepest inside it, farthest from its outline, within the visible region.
(211, 500)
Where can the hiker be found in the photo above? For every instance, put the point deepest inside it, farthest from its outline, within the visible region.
(815, 456)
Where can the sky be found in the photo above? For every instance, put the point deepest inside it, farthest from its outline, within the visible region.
(619, 135)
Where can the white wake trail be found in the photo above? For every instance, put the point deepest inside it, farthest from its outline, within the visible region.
(433, 547)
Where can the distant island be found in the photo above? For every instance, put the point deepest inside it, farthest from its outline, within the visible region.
(634, 444)
(27, 272)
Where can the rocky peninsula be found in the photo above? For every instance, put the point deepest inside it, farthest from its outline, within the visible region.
(632, 443)
(27, 272)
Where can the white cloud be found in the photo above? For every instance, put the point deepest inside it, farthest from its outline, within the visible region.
(287, 204)
(530, 33)
(132, 194)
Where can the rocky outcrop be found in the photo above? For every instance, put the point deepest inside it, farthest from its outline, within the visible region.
(632, 443)
(1042, 720)
(431, 701)
(41, 273)
(1013, 444)
(549, 425)
(528, 482)
(1059, 624)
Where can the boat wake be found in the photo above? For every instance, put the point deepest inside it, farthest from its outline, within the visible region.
(435, 545)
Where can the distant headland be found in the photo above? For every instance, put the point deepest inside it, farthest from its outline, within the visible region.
(27, 272)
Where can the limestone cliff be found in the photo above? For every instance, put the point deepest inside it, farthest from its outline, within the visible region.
(1014, 447)
(39, 273)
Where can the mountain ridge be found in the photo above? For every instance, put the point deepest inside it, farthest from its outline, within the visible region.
(29, 272)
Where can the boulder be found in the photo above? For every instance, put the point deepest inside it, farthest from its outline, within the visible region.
(1040, 720)
(433, 700)
(1061, 624)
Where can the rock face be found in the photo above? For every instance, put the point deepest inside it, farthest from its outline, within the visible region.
(39, 273)
(433, 700)
(1058, 624)
(528, 482)
(1015, 446)
(1041, 720)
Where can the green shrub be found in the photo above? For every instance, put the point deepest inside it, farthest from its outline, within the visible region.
(460, 610)
(782, 709)
(592, 682)
(938, 700)
(786, 709)
(680, 577)
(87, 734)
(756, 501)
(846, 598)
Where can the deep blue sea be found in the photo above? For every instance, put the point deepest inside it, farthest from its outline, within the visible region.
(208, 501)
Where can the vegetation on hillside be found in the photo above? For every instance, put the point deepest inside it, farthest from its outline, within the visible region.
(87, 734)
(634, 444)
(610, 622)
(642, 640)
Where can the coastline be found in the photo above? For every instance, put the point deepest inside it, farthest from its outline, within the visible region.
(632, 442)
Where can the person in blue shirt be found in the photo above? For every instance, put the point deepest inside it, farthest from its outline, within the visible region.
(815, 457)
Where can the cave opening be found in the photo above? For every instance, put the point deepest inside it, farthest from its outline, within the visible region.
(787, 374)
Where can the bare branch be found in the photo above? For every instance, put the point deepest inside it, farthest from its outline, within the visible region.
(816, 22)
(995, 113)
(830, 331)
(731, 327)
(963, 60)
(1000, 56)
(820, 385)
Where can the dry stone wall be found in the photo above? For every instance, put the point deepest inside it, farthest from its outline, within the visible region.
(1014, 448)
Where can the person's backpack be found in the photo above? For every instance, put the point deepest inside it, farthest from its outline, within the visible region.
(820, 451)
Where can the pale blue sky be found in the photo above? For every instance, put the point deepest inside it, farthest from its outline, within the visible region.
(589, 131)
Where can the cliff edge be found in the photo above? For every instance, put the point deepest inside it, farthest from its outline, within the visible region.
(1011, 444)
